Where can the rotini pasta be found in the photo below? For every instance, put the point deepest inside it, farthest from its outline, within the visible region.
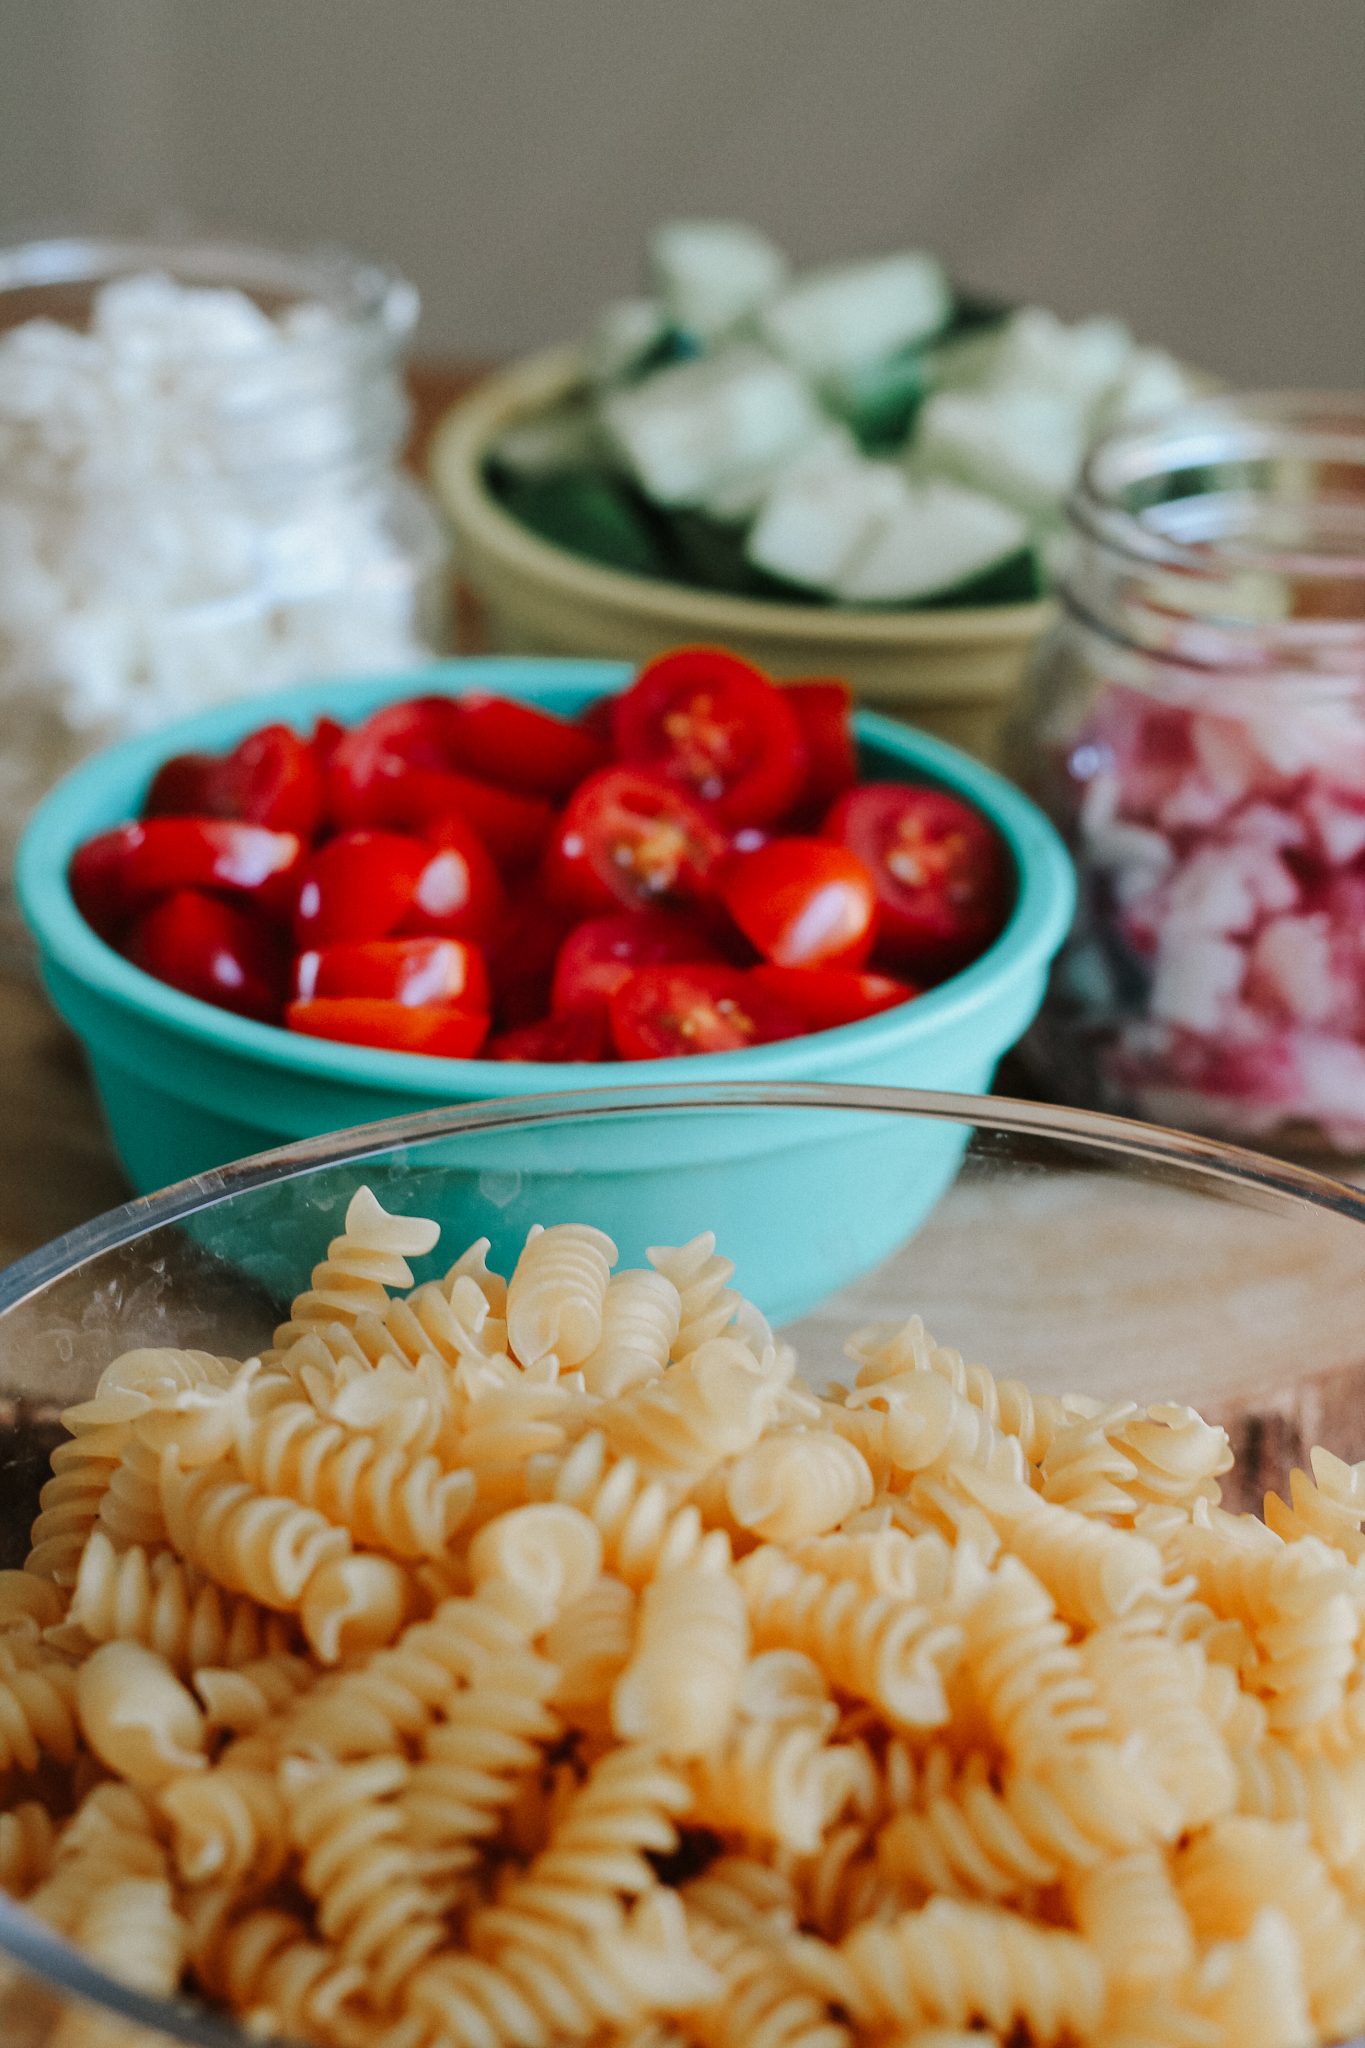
(534, 1664)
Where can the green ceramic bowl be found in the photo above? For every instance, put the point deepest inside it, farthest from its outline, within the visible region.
(186, 1087)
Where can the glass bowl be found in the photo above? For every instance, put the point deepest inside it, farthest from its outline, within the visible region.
(1076, 1251)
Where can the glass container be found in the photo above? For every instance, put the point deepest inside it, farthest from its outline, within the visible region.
(200, 496)
(1072, 1249)
(1195, 722)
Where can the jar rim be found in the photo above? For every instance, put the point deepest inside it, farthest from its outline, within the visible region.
(1320, 426)
(376, 307)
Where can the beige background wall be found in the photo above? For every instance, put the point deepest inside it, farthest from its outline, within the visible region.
(1197, 165)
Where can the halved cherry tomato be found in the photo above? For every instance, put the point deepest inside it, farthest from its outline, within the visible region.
(629, 837)
(827, 996)
(520, 953)
(663, 1012)
(401, 970)
(360, 885)
(716, 727)
(458, 895)
(823, 714)
(519, 747)
(328, 734)
(395, 1027)
(182, 788)
(802, 902)
(405, 798)
(272, 777)
(941, 873)
(573, 1036)
(119, 873)
(212, 950)
(599, 954)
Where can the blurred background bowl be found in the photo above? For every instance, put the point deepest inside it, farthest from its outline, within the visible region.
(951, 671)
(186, 1086)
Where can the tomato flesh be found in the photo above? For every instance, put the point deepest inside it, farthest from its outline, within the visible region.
(630, 838)
(598, 955)
(521, 748)
(941, 874)
(360, 885)
(575, 1035)
(119, 873)
(802, 902)
(521, 953)
(715, 726)
(213, 950)
(669, 1012)
(413, 971)
(830, 996)
(824, 713)
(431, 1028)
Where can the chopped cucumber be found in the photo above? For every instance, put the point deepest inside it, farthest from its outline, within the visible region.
(1040, 351)
(879, 400)
(566, 438)
(834, 321)
(1024, 447)
(590, 514)
(740, 492)
(1153, 382)
(819, 521)
(684, 430)
(623, 338)
(938, 539)
(713, 274)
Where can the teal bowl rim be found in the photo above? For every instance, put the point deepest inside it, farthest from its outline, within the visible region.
(1036, 927)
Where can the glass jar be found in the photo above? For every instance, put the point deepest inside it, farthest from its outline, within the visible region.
(199, 490)
(1195, 722)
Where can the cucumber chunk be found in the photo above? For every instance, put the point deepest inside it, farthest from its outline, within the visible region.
(1022, 446)
(830, 322)
(683, 430)
(819, 521)
(713, 274)
(880, 400)
(938, 541)
(1152, 383)
(740, 492)
(1082, 361)
(624, 336)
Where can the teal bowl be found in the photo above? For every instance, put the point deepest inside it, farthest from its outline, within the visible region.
(186, 1087)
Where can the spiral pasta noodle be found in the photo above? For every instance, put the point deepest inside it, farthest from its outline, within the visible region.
(532, 1663)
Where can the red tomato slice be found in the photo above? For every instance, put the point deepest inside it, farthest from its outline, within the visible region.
(360, 885)
(328, 734)
(272, 777)
(663, 1012)
(576, 1035)
(521, 748)
(414, 971)
(212, 950)
(600, 954)
(407, 799)
(458, 895)
(521, 952)
(394, 1027)
(823, 713)
(119, 873)
(802, 902)
(828, 996)
(182, 788)
(941, 873)
(628, 837)
(716, 727)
